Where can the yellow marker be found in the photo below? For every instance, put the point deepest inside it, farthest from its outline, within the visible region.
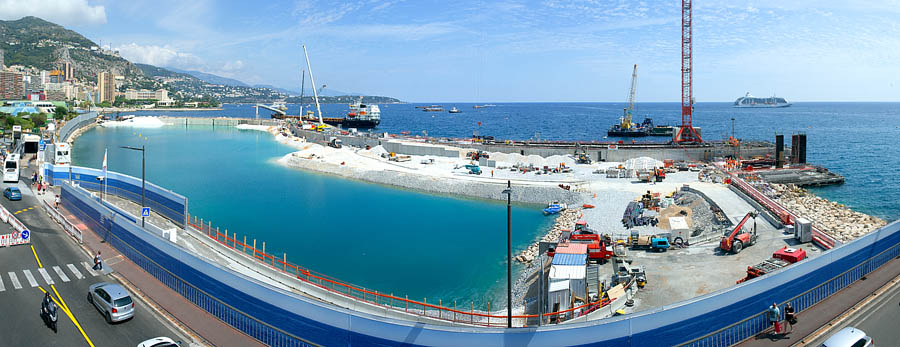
(61, 303)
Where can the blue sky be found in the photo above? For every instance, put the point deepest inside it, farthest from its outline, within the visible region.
(509, 50)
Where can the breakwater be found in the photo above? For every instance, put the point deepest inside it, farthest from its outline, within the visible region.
(832, 218)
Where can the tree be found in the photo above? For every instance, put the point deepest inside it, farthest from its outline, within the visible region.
(105, 104)
(38, 119)
(60, 113)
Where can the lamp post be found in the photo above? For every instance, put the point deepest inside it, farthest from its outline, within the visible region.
(732, 126)
(508, 192)
(143, 177)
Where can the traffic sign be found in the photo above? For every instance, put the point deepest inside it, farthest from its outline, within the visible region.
(42, 144)
(145, 212)
(24, 234)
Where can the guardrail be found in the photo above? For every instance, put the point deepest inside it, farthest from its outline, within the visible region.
(20, 235)
(753, 325)
(387, 300)
(62, 221)
(74, 124)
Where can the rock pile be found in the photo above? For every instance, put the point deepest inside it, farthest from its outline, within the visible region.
(565, 221)
(834, 219)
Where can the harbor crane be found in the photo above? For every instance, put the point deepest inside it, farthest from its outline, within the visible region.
(686, 134)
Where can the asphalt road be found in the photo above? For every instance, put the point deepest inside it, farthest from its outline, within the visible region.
(67, 267)
(880, 319)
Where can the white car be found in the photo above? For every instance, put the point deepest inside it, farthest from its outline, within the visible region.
(160, 342)
(849, 337)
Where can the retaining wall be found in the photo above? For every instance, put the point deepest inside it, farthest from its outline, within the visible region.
(281, 318)
(76, 123)
(162, 201)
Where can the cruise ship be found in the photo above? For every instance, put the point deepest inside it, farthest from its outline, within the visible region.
(752, 101)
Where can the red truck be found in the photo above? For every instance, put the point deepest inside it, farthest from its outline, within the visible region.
(596, 245)
(780, 259)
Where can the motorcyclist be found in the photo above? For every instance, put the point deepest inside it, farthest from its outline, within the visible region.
(47, 305)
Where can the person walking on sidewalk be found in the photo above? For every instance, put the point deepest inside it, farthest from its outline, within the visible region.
(774, 315)
(56, 201)
(98, 263)
(789, 316)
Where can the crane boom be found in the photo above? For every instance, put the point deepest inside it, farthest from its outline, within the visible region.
(313, 80)
(626, 118)
(686, 132)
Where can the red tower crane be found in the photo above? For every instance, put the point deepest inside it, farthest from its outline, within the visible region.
(686, 134)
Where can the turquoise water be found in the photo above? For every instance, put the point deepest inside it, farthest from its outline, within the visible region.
(382, 238)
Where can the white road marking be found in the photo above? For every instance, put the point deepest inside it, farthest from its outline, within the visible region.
(88, 268)
(15, 280)
(61, 274)
(75, 271)
(46, 276)
(2, 288)
(30, 278)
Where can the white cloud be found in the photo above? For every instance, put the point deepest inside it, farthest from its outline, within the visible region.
(63, 12)
(163, 56)
(233, 65)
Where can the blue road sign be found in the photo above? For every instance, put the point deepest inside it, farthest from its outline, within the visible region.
(42, 144)
(145, 212)
(24, 234)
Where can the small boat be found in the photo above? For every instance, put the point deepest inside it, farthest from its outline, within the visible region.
(587, 206)
(554, 208)
(454, 110)
(434, 108)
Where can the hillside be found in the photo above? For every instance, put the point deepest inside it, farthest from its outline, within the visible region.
(32, 41)
(210, 78)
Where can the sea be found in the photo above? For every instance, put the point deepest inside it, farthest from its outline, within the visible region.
(449, 247)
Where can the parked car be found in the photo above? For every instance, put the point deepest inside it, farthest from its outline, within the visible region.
(849, 337)
(12, 193)
(160, 342)
(112, 300)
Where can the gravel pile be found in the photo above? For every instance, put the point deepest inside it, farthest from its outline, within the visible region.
(832, 218)
(702, 216)
(565, 221)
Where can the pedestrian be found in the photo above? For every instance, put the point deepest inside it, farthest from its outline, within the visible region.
(774, 315)
(34, 179)
(98, 263)
(789, 315)
(57, 201)
(39, 187)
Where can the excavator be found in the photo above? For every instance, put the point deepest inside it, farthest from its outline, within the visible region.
(737, 239)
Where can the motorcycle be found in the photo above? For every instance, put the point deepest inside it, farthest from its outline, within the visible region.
(49, 315)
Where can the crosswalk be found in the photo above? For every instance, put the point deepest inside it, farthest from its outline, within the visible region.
(63, 273)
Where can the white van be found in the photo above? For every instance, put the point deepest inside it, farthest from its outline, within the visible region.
(11, 169)
(63, 155)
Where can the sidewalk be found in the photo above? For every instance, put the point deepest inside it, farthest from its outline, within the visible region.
(185, 314)
(824, 312)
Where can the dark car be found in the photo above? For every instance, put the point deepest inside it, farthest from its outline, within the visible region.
(12, 193)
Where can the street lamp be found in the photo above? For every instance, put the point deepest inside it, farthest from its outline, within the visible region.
(143, 180)
(508, 192)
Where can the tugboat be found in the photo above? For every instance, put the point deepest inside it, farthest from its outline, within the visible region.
(454, 110)
(554, 208)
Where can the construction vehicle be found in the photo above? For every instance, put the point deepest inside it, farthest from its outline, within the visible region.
(581, 155)
(735, 240)
(780, 259)
(335, 142)
(654, 243)
(473, 169)
(398, 157)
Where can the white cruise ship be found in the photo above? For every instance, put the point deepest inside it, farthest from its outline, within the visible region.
(752, 101)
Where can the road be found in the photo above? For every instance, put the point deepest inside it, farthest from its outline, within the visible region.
(878, 318)
(66, 270)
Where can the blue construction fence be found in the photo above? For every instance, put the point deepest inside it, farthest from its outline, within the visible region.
(161, 201)
(281, 318)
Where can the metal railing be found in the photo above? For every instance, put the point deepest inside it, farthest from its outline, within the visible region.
(228, 314)
(66, 225)
(432, 310)
(753, 325)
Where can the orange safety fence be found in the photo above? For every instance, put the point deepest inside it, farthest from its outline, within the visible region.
(359, 293)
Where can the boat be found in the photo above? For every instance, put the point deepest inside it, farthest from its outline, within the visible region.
(554, 208)
(483, 106)
(281, 105)
(625, 128)
(433, 108)
(360, 116)
(659, 130)
(750, 101)
(454, 110)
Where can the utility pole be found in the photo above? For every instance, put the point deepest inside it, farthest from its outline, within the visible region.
(508, 192)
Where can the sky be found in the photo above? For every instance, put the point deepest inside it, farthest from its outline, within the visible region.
(508, 50)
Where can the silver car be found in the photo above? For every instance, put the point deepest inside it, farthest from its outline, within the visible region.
(112, 300)
(849, 337)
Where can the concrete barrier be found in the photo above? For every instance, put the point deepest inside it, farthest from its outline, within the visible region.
(76, 123)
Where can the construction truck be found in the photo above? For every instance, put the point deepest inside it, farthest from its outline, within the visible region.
(652, 242)
(780, 259)
(581, 155)
(335, 142)
(738, 238)
(473, 169)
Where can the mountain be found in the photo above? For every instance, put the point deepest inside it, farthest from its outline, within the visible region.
(210, 78)
(31, 41)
